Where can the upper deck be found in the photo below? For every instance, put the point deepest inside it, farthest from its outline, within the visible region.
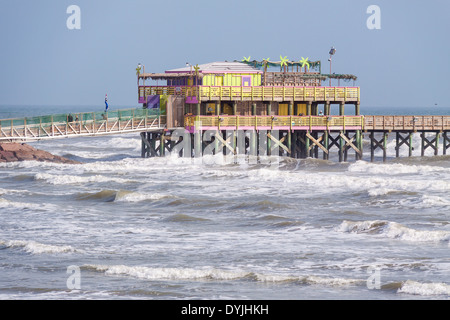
(197, 94)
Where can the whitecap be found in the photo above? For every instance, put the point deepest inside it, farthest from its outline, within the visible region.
(210, 273)
(424, 289)
(34, 247)
(4, 203)
(394, 230)
(394, 168)
(128, 196)
(150, 273)
(72, 179)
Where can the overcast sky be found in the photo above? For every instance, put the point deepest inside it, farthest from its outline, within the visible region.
(42, 62)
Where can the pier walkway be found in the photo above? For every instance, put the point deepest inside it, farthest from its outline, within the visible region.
(297, 136)
(80, 124)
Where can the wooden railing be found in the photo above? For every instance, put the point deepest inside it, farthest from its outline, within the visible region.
(226, 122)
(259, 93)
(80, 124)
(407, 123)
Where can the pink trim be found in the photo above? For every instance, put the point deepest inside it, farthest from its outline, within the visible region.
(250, 87)
(305, 128)
(213, 72)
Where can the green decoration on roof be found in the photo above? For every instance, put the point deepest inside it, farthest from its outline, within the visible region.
(284, 61)
(196, 68)
(246, 59)
(138, 71)
(304, 62)
(266, 63)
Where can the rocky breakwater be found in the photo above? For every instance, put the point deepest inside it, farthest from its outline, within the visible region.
(10, 152)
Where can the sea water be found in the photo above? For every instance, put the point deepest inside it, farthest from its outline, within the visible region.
(122, 227)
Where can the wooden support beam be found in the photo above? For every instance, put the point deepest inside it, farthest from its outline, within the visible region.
(445, 142)
(359, 144)
(327, 107)
(374, 144)
(342, 109)
(434, 143)
(325, 139)
(316, 142)
(162, 147)
(333, 141)
(294, 144)
(350, 143)
(224, 143)
(148, 148)
(407, 140)
(278, 143)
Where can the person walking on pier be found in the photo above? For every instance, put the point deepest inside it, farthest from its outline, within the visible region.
(106, 103)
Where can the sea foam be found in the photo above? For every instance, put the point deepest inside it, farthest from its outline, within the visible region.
(72, 179)
(394, 230)
(210, 273)
(34, 247)
(424, 289)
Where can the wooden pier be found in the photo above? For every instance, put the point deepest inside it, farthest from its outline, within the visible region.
(80, 125)
(243, 108)
(292, 136)
(298, 136)
(235, 108)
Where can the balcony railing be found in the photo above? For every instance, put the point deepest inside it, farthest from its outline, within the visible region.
(227, 122)
(258, 93)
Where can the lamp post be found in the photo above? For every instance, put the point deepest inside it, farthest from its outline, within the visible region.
(138, 71)
(332, 52)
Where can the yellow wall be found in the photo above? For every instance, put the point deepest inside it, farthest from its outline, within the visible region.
(283, 109)
(301, 108)
(229, 79)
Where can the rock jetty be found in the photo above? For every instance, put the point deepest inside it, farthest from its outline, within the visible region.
(11, 152)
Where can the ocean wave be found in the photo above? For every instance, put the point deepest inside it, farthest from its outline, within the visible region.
(393, 230)
(132, 196)
(34, 247)
(4, 203)
(149, 273)
(139, 165)
(424, 289)
(210, 273)
(331, 181)
(120, 196)
(125, 143)
(425, 201)
(184, 218)
(394, 168)
(64, 179)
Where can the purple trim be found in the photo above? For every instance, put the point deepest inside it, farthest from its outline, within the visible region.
(225, 71)
(153, 102)
(254, 87)
(191, 100)
(246, 79)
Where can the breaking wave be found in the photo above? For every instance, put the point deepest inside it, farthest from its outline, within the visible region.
(424, 289)
(394, 230)
(394, 168)
(121, 196)
(34, 247)
(72, 179)
(210, 273)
